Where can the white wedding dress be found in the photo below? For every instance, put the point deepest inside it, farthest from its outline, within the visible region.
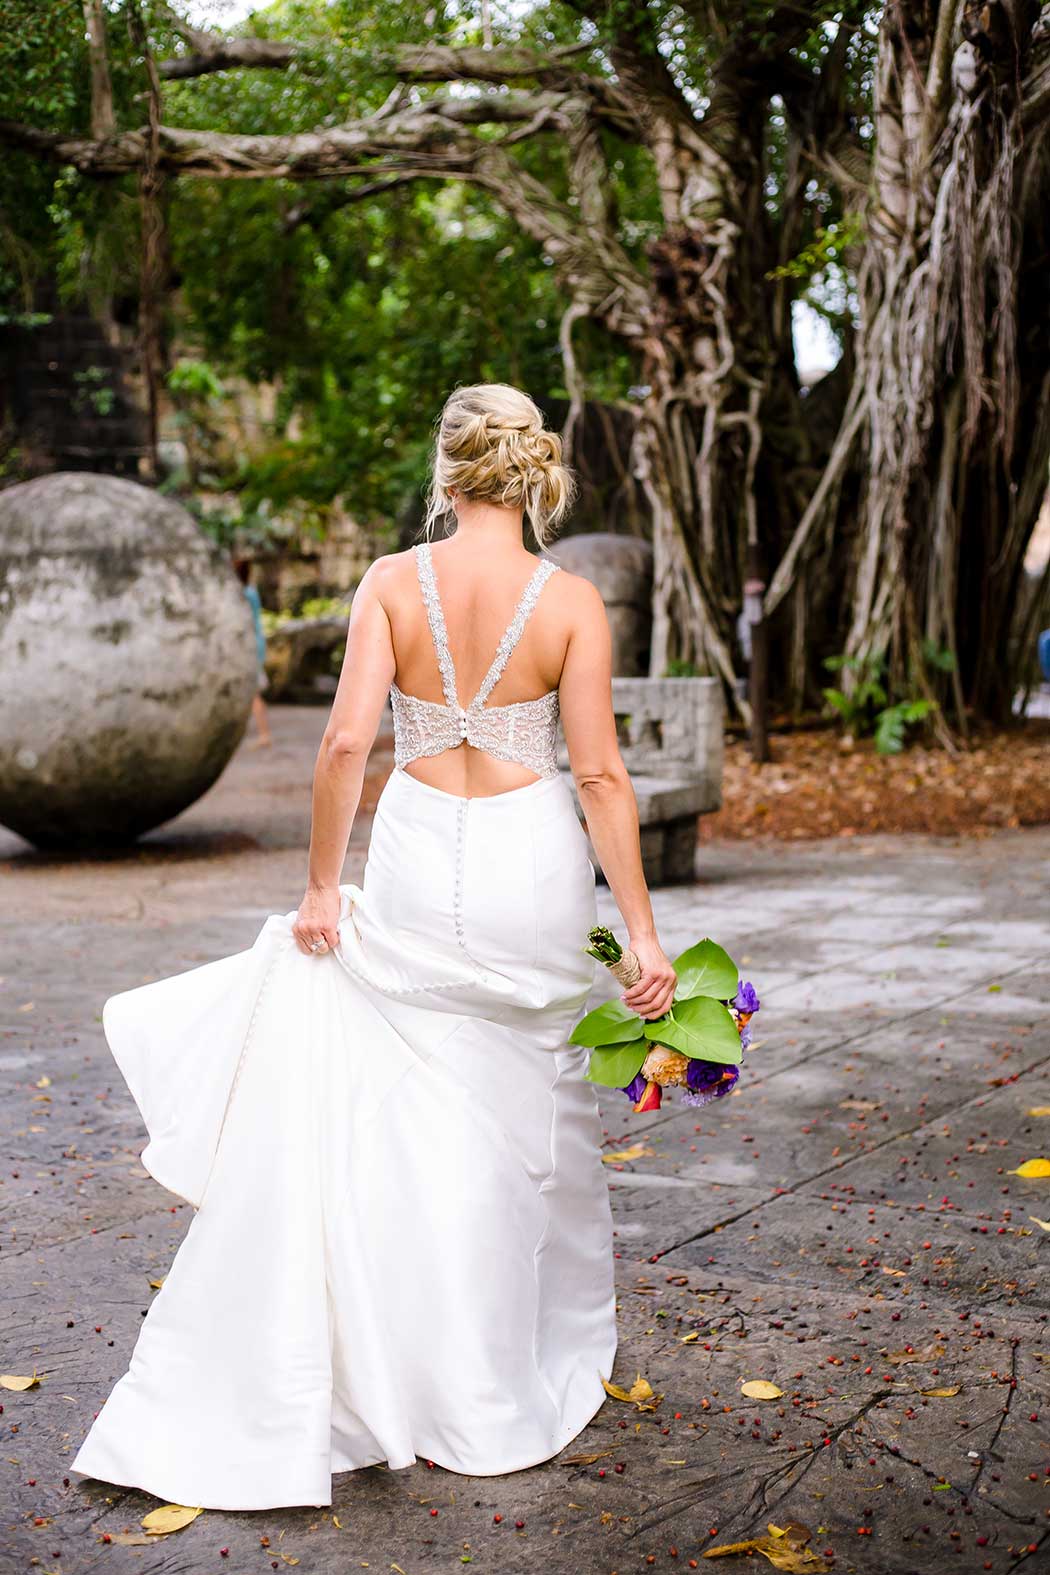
(402, 1242)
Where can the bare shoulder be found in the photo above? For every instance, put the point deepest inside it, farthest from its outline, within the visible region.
(579, 599)
(386, 576)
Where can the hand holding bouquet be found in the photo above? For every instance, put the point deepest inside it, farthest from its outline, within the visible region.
(697, 1046)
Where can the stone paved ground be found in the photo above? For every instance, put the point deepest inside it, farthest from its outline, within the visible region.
(847, 1226)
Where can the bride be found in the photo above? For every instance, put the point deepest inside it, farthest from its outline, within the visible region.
(401, 1242)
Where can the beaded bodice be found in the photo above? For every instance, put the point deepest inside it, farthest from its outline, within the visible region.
(524, 732)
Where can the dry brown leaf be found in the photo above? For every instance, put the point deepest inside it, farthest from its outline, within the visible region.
(168, 1518)
(795, 1532)
(942, 1394)
(858, 1104)
(130, 1539)
(761, 1389)
(586, 1460)
(1032, 1169)
(922, 1353)
(898, 1274)
(640, 1393)
(12, 1380)
(636, 1151)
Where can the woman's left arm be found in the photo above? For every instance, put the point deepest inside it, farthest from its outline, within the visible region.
(339, 774)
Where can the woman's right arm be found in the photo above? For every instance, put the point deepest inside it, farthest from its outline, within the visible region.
(606, 795)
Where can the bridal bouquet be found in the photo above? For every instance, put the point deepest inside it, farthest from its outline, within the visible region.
(697, 1046)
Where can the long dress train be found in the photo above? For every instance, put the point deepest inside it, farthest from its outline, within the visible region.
(402, 1238)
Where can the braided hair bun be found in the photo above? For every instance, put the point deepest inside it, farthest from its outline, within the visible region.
(492, 447)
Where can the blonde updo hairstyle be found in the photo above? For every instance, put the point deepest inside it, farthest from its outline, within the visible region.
(492, 447)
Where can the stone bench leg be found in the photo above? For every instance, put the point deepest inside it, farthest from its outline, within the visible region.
(668, 851)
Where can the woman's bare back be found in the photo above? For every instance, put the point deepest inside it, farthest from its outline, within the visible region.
(480, 585)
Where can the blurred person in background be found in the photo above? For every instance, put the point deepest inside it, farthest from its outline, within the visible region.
(243, 569)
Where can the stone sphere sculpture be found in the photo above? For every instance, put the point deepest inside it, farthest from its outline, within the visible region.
(621, 567)
(127, 660)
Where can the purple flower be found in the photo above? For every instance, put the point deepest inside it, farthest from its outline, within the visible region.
(708, 1080)
(635, 1088)
(746, 998)
(745, 1036)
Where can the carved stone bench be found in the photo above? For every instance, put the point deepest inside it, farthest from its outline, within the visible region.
(671, 739)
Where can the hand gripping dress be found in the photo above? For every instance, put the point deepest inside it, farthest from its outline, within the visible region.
(401, 1242)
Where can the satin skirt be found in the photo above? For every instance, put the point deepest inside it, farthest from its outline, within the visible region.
(402, 1242)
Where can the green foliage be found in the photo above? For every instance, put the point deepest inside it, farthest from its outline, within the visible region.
(677, 668)
(892, 723)
(612, 1023)
(362, 314)
(699, 1023)
(312, 607)
(706, 969)
(828, 246)
(617, 1065)
(196, 380)
(865, 706)
(94, 389)
(699, 1027)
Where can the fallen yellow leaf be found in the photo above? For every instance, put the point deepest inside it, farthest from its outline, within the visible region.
(586, 1460)
(1043, 1224)
(168, 1518)
(689, 1339)
(785, 1548)
(12, 1381)
(635, 1151)
(1032, 1168)
(155, 1285)
(43, 1082)
(760, 1389)
(941, 1394)
(1038, 1110)
(640, 1393)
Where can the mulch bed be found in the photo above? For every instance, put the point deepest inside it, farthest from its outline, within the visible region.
(817, 787)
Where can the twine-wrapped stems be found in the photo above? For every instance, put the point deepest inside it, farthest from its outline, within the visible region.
(624, 966)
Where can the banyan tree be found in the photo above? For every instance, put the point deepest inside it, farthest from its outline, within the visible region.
(888, 509)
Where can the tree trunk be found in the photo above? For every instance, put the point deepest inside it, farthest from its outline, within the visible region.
(951, 357)
(103, 123)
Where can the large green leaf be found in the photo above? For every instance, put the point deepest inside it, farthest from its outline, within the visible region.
(609, 1024)
(615, 1066)
(705, 969)
(700, 1027)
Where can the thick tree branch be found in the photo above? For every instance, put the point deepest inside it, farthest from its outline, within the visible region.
(226, 54)
(415, 141)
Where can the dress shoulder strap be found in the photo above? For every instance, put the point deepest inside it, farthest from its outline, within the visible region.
(529, 597)
(436, 620)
